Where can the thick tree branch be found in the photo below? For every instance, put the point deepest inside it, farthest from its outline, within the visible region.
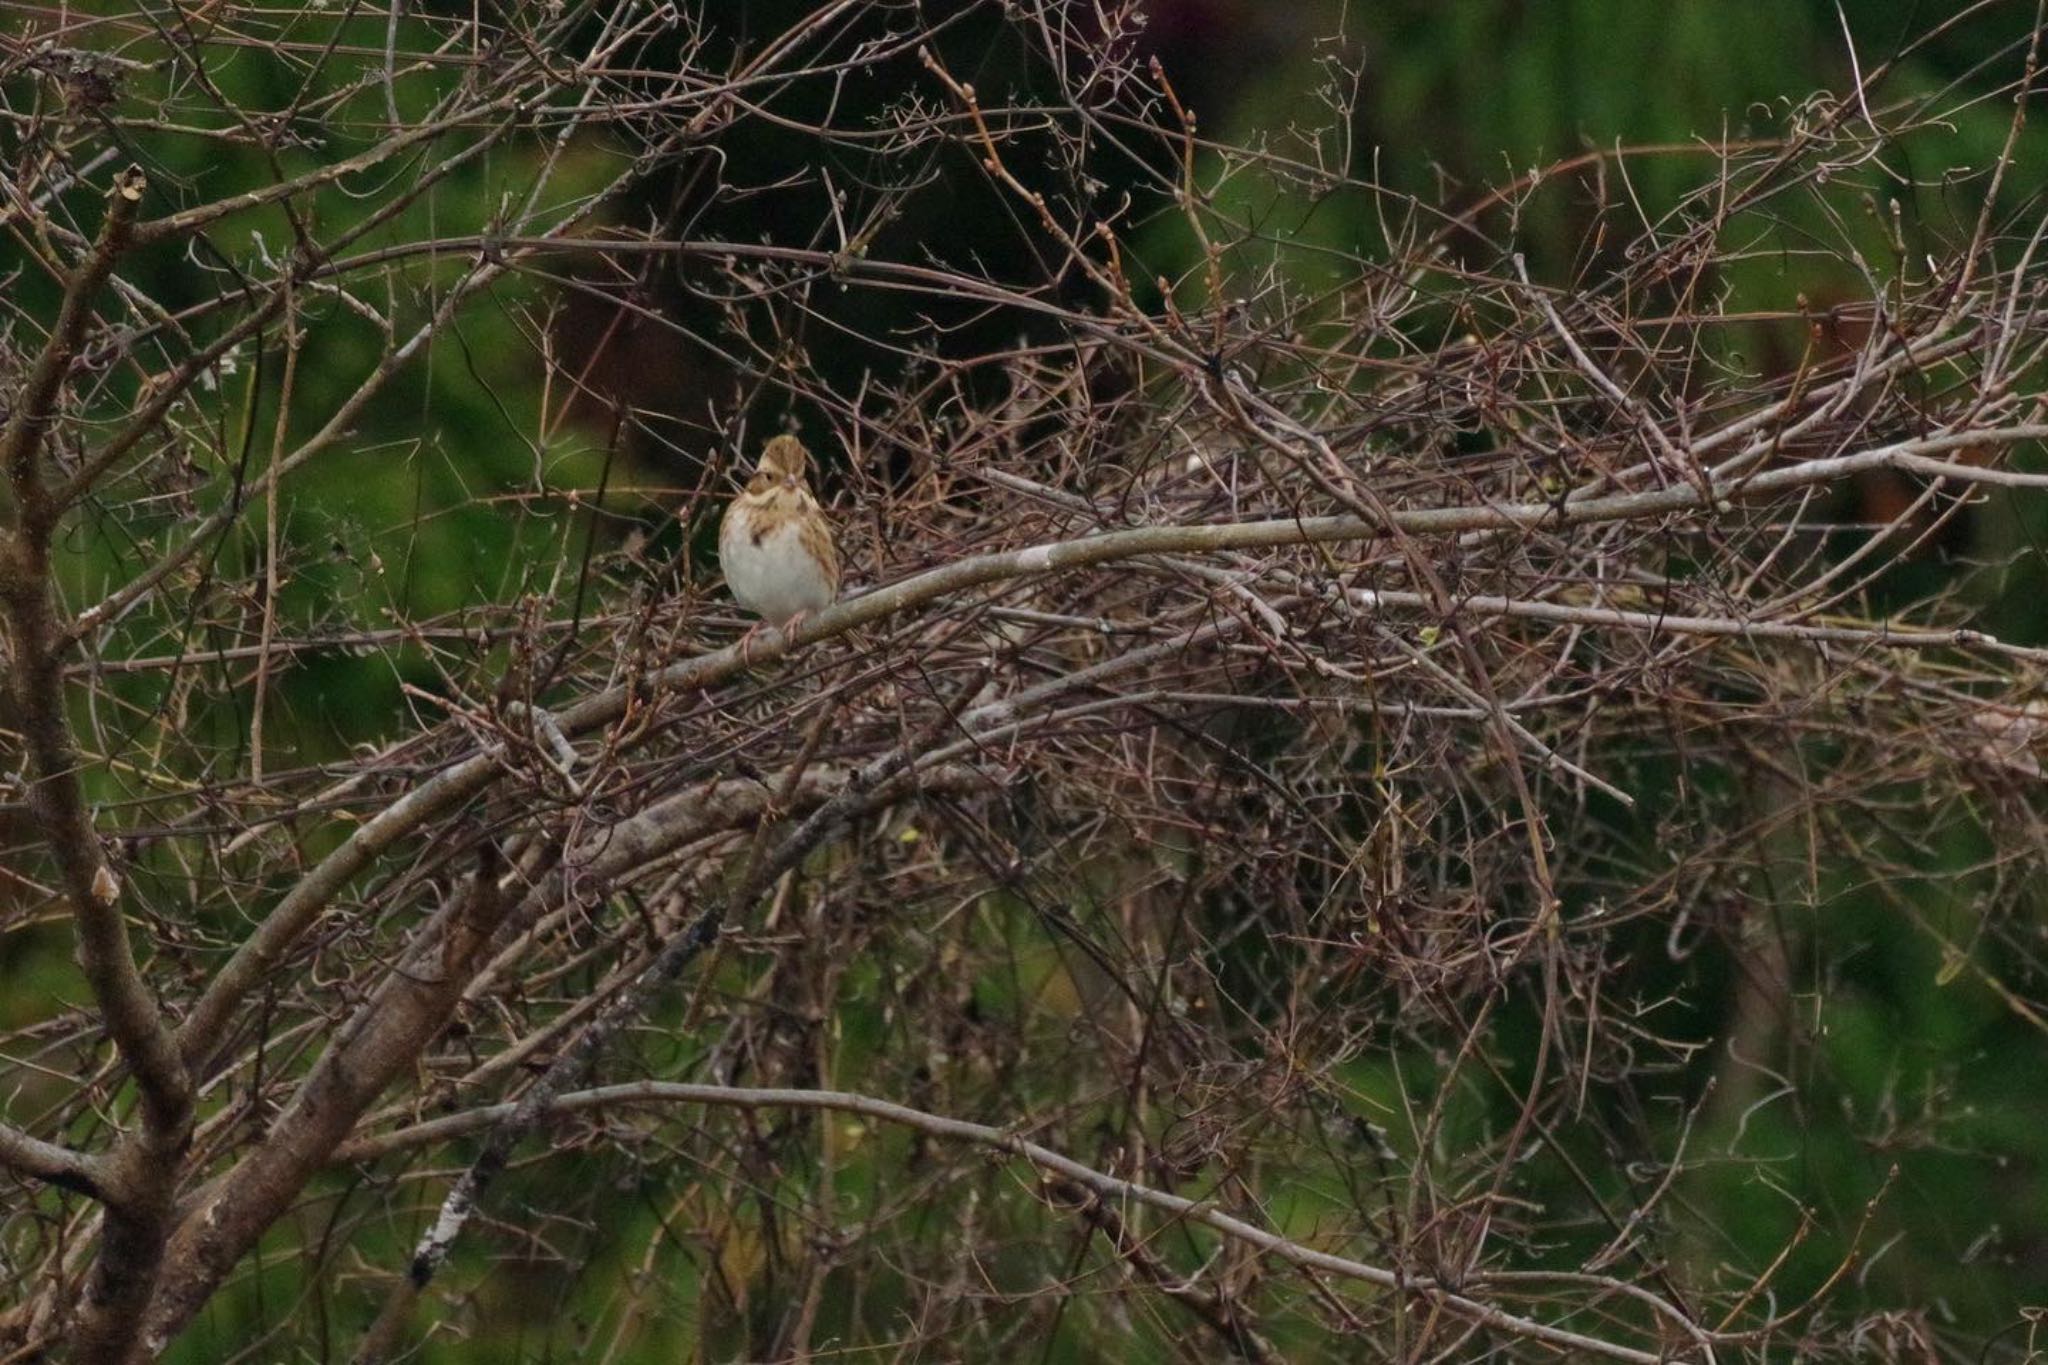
(462, 782)
(865, 789)
(415, 1001)
(60, 1166)
(137, 1181)
(1234, 566)
(385, 1036)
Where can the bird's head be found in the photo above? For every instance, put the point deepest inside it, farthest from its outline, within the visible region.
(784, 463)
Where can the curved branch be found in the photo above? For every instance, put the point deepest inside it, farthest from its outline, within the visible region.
(418, 995)
(266, 947)
(1045, 1158)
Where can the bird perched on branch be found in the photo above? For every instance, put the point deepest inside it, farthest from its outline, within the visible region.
(775, 544)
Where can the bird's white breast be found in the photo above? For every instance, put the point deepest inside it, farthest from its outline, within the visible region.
(776, 578)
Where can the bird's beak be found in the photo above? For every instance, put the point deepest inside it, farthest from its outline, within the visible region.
(790, 481)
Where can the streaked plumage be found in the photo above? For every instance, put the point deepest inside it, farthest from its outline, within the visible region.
(775, 544)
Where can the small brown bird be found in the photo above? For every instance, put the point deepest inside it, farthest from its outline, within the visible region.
(775, 544)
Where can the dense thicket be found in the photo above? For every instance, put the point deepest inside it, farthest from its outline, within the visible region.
(1438, 774)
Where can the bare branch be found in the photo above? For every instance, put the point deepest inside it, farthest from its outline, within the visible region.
(1117, 1191)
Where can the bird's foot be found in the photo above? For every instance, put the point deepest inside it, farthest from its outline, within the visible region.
(786, 630)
